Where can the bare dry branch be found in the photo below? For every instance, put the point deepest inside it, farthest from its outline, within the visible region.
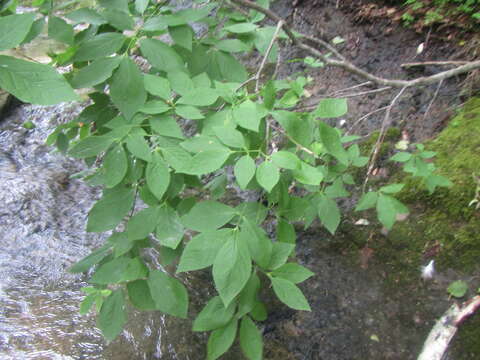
(350, 67)
(433, 63)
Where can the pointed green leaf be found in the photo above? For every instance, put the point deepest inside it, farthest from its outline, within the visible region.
(267, 175)
(285, 232)
(231, 269)
(119, 19)
(157, 176)
(157, 86)
(169, 228)
(126, 89)
(182, 35)
(207, 161)
(97, 72)
(180, 82)
(331, 140)
(214, 315)
(142, 223)
(139, 147)
(154, 107)
(286, 160)
(221, 340)
(331, 108)
(188, 112)
(86, 15)
(299, 128)
(201, 251)
(140, 296)
(91, 146)
(59, 30)
(161, 55)
(111, 272)
(241, 28)
(230, 136)
(115, 166)
(247, 116)
(208, 216)
(387, 209)
(259, 245)
(251, 340)
(391, 189)
(92, 259)
(232, 45)
(166, 125)
(280, 253)
(244, 170)
(289, 294)
(112, 315)
(199, 97)
(367, 201)
(169, 294)
(328, 213)
(28, 82)
(293, 272)
(14, 28)
(99, 46)
(248, 296)
(110, 209)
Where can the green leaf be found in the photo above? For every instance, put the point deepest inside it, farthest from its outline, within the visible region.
(208, 216)
(121, 244)
(169, 294)
(91, 146)
(401, 157)
(432, 181)
(458, 288)
(231, 269)
(387, 209)
(248, 296)
(201, 251)
(86, 304)
(221, 340)
(391, 189)
(157, 86)
(241, 28)
(232, 45)
(100, 46)
(140, 296)
(286, 160)
(289, 294)
(251, 340)
(181, 83)
(259, 311)
(86, 15)
(111, 272)
(154, 107)
(157, 176)
(298, 128)
(292, 272)
(259, 245)
(253, 211)
(328, 213)
(285, 232)
(244, 170)
(188, 112)
(141, 5)
(207, 161)
(182, 35)
(267, 175)
(121, 5)
(92, 259)
(35, 30)
(28, 82)
(115, 166)
(331, 141)
(166, 125)
(142, 223)
(110, 209)
(139, 147)
(367, 201)
(13, 29)
(199, 97)
(230, 136)
(136, 270)
(126, 89)
(308, 174)
(112, 315)
(214, 315)
(96, 73)
(331, 108)
(59, 30)
(169, 228)
(247, 116)
(280, 253)
(161, 55)
(269, 95)
(119, 19)
(336, 190)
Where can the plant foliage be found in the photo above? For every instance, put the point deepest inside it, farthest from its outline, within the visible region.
(149, 71)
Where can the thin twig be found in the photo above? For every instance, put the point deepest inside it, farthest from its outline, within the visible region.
(433, 99)
(433, 63)
(267, 54)
(364, 117)
(366, 83)
(381, 137)
(325, 45)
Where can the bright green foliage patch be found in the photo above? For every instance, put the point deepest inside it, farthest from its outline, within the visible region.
(164, 182)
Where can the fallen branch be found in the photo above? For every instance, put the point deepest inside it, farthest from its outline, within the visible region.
(445, 328)
(433, 63)
(350, 67)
